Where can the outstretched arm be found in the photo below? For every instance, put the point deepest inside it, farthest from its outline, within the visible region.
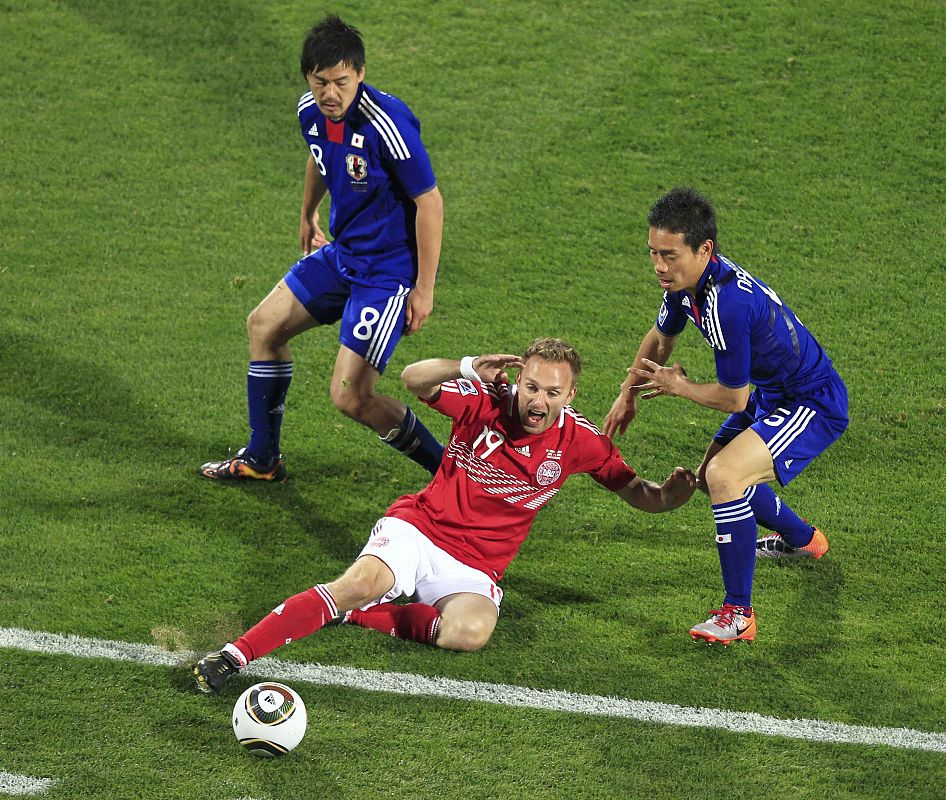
(655, 497)
(655, 347)
(672, 382)
(423, 378)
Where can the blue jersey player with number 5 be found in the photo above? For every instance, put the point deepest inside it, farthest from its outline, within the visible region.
(377, 274)
(797, 408)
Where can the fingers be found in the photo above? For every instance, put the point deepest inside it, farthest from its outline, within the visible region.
(499, 360)
(683, 475)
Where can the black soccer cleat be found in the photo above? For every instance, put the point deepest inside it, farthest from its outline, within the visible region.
(243, 467)
(214, 670)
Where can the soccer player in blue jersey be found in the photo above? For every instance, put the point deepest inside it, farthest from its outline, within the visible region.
(786, 402)
(376, 275)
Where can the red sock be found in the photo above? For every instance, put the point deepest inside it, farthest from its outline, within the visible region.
(300, 615)
(416, 622)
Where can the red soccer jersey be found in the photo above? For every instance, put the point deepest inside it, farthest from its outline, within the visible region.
(495, 476)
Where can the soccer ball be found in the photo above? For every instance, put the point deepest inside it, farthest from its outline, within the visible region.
(269, 719)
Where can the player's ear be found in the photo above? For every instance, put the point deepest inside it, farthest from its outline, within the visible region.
(571, 395)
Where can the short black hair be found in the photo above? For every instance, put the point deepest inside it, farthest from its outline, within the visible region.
(684, 210)
(332, 42)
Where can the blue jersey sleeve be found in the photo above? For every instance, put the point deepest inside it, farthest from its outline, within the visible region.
(671, 319)
(402, 147)
(414, 173)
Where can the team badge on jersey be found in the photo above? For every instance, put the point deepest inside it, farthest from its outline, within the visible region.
(465, 387)
(357, 166)
(662, 316)
(548, 472)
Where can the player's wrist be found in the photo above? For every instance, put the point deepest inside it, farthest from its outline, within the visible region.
(467, 370)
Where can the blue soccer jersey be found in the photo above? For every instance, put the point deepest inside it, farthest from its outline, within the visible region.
(755, 337)
(373, 163)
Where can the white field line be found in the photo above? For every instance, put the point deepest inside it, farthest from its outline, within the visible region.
(418, 685)
(21, 785)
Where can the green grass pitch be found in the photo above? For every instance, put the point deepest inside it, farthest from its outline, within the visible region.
(150, 181)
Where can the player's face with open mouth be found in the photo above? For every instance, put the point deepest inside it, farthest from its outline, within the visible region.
(335, 88)
(544, 389)
(675, 263)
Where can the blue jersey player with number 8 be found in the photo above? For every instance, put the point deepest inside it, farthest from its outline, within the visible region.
(797, 408)
(377, 275)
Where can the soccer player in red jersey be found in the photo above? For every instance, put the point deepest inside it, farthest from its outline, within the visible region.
(511, 448)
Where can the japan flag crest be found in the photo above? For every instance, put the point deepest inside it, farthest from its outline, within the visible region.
(357, 166)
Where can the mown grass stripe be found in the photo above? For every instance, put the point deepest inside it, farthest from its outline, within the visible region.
(22, 785)
(401, 683)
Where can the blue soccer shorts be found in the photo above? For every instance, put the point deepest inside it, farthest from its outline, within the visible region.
(372, 307)
(796, 431)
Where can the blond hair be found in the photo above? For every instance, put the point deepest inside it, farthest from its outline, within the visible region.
(555, 351)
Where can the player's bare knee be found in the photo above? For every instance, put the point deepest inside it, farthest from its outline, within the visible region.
(467, 635)
(259, 332)
(351, 403)
(719, 480)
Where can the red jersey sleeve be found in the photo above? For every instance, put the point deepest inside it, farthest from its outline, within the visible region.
(613, 473)
(597, 455)
(463, 400)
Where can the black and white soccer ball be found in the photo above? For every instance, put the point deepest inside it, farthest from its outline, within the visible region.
(269, 719)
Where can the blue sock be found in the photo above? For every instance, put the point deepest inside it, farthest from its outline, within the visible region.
(267, 383)
(416, 442)
(736, 532)
(772, 513)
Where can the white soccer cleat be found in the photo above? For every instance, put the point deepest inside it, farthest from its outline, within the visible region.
(727, 624)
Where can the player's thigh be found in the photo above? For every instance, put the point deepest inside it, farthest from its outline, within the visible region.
(743, 462)
(373, 321)
(365, 581)
(734, 425)
(467, 621)
(279, 315)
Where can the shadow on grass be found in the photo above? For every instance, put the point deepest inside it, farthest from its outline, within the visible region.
(549, 593)
(95, 454)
